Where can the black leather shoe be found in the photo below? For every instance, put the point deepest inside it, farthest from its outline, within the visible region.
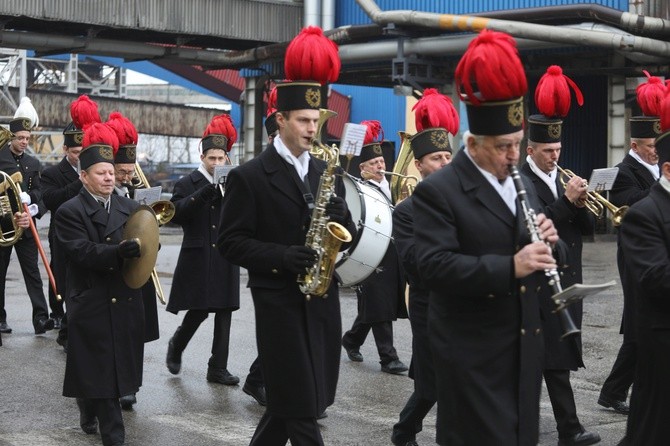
(57, 323)
(395, 367)
(87, 419)
(618, 406)
(127, 401)
(173, 359)
(4, 328)
(353, 353)
(221, 376)
(61, 340)
(583, 438)
(256, 392)
(43, 325)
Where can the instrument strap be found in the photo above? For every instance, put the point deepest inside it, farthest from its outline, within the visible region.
(302, 185)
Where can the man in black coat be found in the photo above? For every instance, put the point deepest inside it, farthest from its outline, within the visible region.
(60, 183)
(204, 281)
(381, 296)
(265, 217)
(637, 173)
(105, 316)
(431, 152)
(14, 159)
(565, 207)
(645, 240)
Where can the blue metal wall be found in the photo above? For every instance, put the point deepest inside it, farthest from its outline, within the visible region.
(349, 13)
(368, 103)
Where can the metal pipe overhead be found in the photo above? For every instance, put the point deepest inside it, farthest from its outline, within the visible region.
(452, 22)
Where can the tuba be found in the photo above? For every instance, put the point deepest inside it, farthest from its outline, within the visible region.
(401, 187)
(323, 236)
(10, 202)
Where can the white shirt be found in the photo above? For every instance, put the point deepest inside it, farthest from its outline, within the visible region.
(548, 178)
(384, 186)
(506, 190)
(301, 163)
(203, 171)
(652, 168)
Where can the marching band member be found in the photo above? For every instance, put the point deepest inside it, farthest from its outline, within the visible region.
(381, 296)
(565, 207)
(60, 183)
(124, 168)
(646, 246)
(475, 256)
(14, 159)
(435, 117)
(637, 173)
(265, 218)
(105, 316)
(204, 281)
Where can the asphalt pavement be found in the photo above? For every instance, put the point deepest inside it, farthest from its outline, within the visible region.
(186, 410)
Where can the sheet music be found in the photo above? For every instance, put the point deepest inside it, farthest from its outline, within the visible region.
(221, 173)
(579, 291)
(352, 139)
(602, 179)
(148, 195)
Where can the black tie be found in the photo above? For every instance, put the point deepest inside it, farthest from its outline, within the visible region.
(102, 203)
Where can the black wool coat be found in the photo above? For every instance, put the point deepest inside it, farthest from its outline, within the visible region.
(484, 324)
(631, 185)
(572, 223)
(203, 278)
(299, 341)
(105, 316)
(422, 369)
(646, 244)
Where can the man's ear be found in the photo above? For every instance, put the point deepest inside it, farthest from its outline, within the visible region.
(665, 169)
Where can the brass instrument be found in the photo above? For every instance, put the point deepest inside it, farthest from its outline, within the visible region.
(318, 149)
(164, 211)
(8, 207)
(323, 236)
(401, 188)
(595, 202)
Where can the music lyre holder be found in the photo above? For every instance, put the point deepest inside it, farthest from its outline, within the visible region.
(577, 292)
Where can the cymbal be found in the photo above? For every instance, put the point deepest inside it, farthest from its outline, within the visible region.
(142, 225)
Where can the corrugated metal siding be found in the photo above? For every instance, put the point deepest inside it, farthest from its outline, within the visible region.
(585, 128)
(235, 19)
(377, 103)
(349, 13)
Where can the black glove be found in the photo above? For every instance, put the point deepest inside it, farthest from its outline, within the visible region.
(129, 249)
(336, 209)
(208, 193)
(297, 258)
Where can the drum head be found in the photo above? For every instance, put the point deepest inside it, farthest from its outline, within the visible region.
(143, 225)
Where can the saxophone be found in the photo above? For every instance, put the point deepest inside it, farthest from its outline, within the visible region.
(323, 236)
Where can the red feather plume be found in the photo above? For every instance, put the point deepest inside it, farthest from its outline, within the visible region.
(490, 69)
(222, 125)
(272, 101)
(435, 110)
(552, 95)
(650, 94)
(312, 56)
(98, 133)
(84, 112)
(125, 130)
(665, 114)
(373, 132)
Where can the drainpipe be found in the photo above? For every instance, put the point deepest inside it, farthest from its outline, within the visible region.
(312, 13)
(451, 22)
(327, 14)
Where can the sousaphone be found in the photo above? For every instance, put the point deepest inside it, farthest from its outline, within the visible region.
(142, 225)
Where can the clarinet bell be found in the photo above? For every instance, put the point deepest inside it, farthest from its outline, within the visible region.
(567, 325)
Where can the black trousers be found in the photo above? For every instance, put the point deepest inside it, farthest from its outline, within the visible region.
(26, 252)
(276, 431)
(220, 342)
(411, 419)
(255, 376)
(617, 384)
(382, 332)
(108, 413)
(562, 402)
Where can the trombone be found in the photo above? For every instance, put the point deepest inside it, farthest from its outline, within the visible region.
(595, 202)
(164, 210)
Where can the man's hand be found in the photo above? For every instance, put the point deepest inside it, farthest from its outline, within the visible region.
(129, 249)
(575, 191)
(533, 257)
(22, 219)
(208, 193)
(25, 198)
(336, 209)
(298, 258)
(548, 232)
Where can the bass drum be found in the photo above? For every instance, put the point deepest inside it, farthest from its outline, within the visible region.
(371, 212)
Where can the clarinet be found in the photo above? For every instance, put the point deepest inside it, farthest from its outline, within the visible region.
(568, 326)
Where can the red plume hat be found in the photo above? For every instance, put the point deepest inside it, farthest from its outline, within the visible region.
(219, 134)
(127, 135)
(435, 117)
(649, 94)
(83, 112)
(99, 145)
(372, 142)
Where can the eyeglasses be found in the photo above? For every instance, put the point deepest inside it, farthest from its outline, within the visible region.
(125, 173)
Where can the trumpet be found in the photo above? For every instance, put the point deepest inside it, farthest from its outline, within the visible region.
(595, 202)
